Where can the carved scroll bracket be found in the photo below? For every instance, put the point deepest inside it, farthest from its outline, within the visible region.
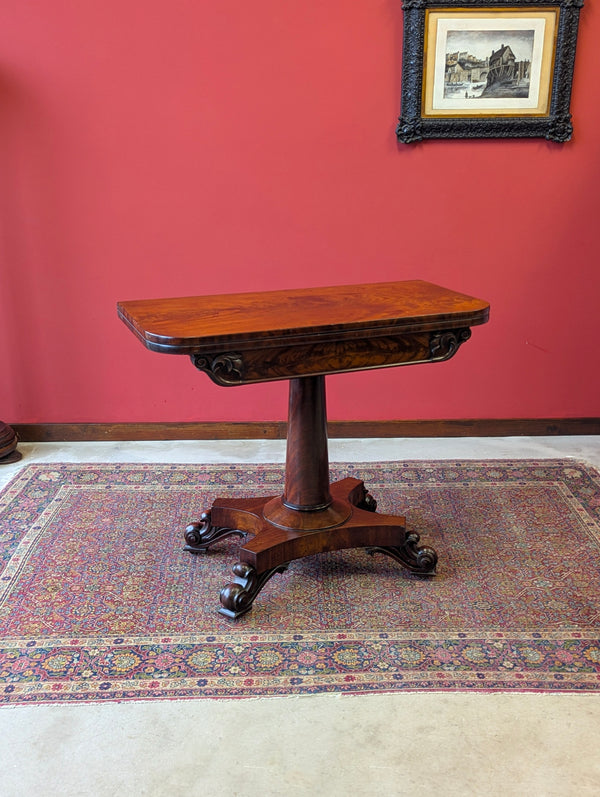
(224, 369)
(443, 345)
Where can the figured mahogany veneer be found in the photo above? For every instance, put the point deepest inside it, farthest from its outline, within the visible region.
(303, 335)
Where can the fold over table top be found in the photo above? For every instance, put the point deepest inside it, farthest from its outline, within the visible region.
(280, 334)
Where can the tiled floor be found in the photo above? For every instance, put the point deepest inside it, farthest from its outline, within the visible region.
(412, 744)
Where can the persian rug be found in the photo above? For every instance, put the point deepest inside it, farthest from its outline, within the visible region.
(99, 601)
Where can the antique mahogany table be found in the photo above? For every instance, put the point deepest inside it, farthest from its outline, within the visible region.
(303, 335)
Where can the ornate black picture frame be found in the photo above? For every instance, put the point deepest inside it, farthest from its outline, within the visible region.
(487, 69)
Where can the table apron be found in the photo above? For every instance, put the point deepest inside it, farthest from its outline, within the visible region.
(269, 363)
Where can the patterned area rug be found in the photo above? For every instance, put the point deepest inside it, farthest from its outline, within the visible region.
(98, 600)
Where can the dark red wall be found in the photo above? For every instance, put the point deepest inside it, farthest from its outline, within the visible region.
(168, 148)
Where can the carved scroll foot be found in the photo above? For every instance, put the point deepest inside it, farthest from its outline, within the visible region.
(199, 536)
(419, 559)
(237, 598)
(356, 493)
(368, 503)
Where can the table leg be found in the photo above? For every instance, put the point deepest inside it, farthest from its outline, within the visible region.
(312, 516)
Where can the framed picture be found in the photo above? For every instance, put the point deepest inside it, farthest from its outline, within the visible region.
(487, 69)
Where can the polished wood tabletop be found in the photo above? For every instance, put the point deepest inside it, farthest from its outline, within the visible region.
(181, 325)
(253, 337)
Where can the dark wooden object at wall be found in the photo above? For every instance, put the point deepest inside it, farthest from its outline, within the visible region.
(8, 445)
(303, 335)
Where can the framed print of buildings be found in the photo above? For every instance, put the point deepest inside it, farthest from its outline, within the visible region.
(484, 69)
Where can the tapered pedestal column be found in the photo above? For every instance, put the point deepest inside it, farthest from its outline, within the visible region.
(312, 516)
(307, 503)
